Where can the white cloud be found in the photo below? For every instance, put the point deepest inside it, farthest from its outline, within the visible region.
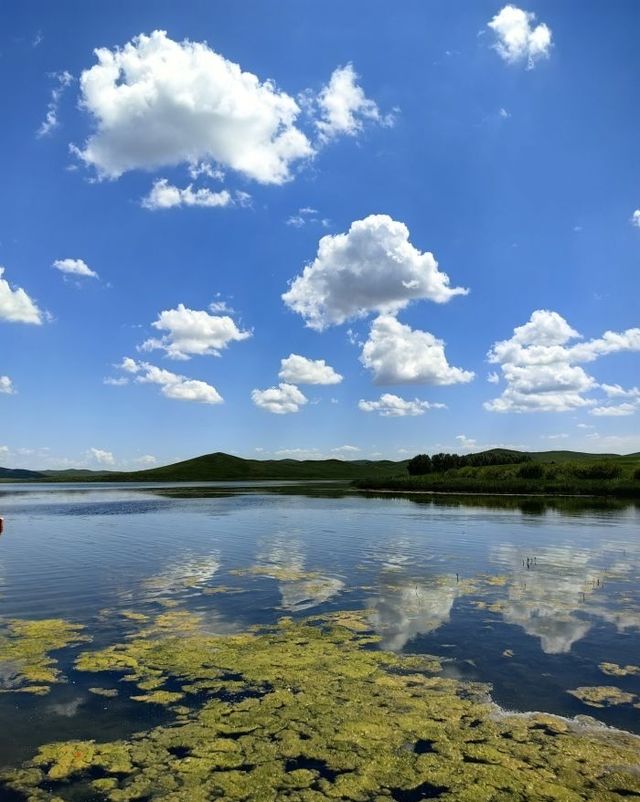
(540, 367)
(16, 306)
(561, 436)
(392, 406)
(618, 410)
(622, 444)
(172, 384)
(6, 386)
(296, 369)
(129, 365)
(193, 332)
(397, 354)
(344, 106)
(373, 267)
(102, 457)
(196, 169)
(50, 122)
(192, 390)
(339, 452)
(493, 378)
(147, 460)
(281, 400)
(635, 218)
(305, 216)
(157, 102)
(616, 391)
(466, 443)
(116, 381)
(164, 195)
(74, 267)
(299, 453)
(517, 40)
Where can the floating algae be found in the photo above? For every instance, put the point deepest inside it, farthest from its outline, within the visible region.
(308, 711)
(602, 695)
(25, 646)
(109, 693)
(614, 670)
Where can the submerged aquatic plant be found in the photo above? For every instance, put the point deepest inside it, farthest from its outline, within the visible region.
(26, 664)
(307, 711)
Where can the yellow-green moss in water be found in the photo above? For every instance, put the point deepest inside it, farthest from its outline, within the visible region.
(25, 645)
(602, 695)
(308, 711)
(108, 693)
(614, 670)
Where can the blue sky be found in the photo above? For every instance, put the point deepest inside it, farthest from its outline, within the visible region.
(437, 148)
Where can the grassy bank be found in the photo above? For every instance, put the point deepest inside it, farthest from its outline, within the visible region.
(617, 477)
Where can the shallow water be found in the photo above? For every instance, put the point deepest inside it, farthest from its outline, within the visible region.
(526, 596)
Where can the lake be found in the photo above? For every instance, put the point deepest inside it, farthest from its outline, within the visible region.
(535, 599)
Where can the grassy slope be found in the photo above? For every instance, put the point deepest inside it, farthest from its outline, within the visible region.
(578, 456)
(218, 466)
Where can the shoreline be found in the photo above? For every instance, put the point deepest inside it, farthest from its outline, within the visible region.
(481, 493)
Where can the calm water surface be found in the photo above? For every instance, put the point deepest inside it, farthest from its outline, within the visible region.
(528, 597)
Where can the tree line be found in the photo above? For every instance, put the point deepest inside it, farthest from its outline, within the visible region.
(438, 463)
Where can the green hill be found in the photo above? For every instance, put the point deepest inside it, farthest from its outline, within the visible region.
(225, 467)
(20, 473)
(73, 474)
(575, 456)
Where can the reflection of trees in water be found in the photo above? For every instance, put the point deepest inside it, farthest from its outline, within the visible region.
(556, 598)
(528, 505)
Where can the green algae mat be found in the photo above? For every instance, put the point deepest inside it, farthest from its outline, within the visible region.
(305, 710)
(25, 648)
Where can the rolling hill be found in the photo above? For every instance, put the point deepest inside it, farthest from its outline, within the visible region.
(226, 467)
(21, 473)
(220, 466)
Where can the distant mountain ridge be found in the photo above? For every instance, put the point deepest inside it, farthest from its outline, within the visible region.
(227, 467)
(20, 473)
(220, 466)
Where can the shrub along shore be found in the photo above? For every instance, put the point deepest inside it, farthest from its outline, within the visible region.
(606, 477)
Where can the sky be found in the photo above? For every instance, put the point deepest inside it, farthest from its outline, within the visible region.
(298, 230)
